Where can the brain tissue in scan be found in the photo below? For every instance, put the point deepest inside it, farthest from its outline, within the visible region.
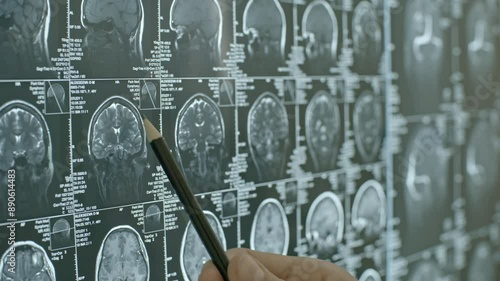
(199, 139)
(113, 39)
(198, 25)
(321, 32)
(193, 252)
(325, 225)
(31, 263)
(61, 236)
(367, 38)
(26, 147)
(122, 256)
(368, 211)
(368, 126)
(323, 130)
(24, 29)
(270, 232)
(117, 149)
(264, 25)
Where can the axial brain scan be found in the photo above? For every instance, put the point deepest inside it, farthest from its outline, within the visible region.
(193, 252)
(325, 225)
(323, 130)
(368, 125)
(113, 35)
(200, 142)
(368, 211)
(270, 231)
(122, 256)
(26, 147)
(117, 146)
(268, 135)
(32, 263)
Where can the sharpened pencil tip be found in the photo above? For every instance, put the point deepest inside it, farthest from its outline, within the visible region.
(151, 132)
(143, 117)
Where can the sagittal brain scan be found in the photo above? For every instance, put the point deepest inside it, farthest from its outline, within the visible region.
(321, 32)
(32, 263)
(323, 130)
(113, 40)
(153, 218)
(26, 147)
(117, 149)
(370, 275)
(193, 253)
(268, 134)
(426, 270)
(482, 263)
(199, 138)
(56, 99)
(368, 211)
(270, 231)
(229, 204)
(198, 25)
(367, 37)
(325, 225)
(368, 125)
(148, 95)
(24, 32)
(264, 25)
(122, 256)
(61, 235)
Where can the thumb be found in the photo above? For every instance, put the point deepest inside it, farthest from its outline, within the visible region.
(244, 267)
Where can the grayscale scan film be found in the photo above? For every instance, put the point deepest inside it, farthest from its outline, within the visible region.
(362, 132)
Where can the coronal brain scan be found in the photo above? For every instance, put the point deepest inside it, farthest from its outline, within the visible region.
(200, 142)
(367, 37)
(370, 275)
(113, 40)
(32, 263)
(268, 134)
(270, 231)
(23, 37)
(122, 256)
(325, 224)
(193, 253)
(26, 147)
(323, 130)
(368, 125)
(368, 211)
(482, 265)
(117, 148)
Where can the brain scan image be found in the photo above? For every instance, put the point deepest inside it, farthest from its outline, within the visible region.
(153, 219)
(323, 130)
(56, 99)
(26, 147)
(193, 252)
(481, 168)
(368, 211)
(122, 256)
(268, 135)
(426, 271)
(148, 95)
(32, 263)
(423, 53)
(24, 29)
(325, 225)
(198, 25)
(367, 38)
(270, 232)
(368, 126)
(264, 24)
(117, 149)
(60, 236)
(321, 31)
(370, 275)
(480, 49)
(229, 204)
(199, 139)
(113, 40)
(482, 265)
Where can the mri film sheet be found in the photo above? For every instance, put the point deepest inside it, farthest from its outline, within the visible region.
(35, 146)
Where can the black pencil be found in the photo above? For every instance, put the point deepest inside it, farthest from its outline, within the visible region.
(186, 196)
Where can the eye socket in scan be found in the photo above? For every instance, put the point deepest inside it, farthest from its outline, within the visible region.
(26, 147)
(320, 29)
(199, 139)
(368, 125)
(270, 231)
(122, 256)
(325, 224)
(368, 211)
(323, 130)
(193, 252)
(117, 148)
(32, 263)
(268, 134)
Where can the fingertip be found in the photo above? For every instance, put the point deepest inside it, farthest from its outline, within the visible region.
(210, 273)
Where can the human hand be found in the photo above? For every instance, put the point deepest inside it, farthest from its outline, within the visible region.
(248, 265)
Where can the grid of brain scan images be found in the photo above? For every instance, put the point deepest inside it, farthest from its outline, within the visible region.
(361, 132)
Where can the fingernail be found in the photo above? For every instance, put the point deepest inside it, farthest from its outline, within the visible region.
(249, 267)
